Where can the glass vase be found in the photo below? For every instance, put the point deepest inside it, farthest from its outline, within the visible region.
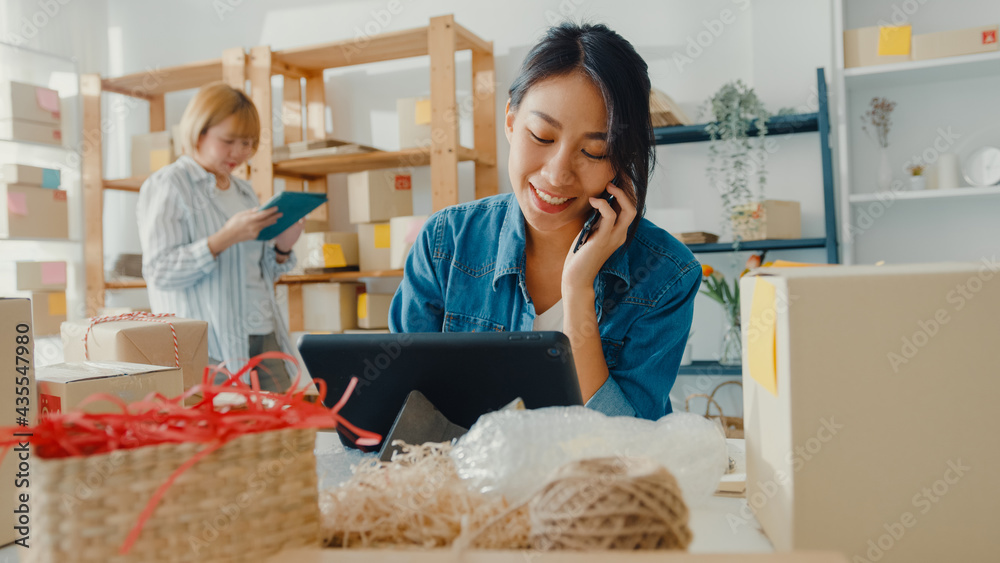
(731, 349)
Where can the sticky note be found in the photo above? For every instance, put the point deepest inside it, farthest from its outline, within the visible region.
(333, 256)
(894, 40)
(47, 100)
(50, 178)
(158, 159)
(57, 304)
(363, 306)
(761, 336)
(53, 273)
(414, 232)
(423, 112)
(17, 203)
(382, 236)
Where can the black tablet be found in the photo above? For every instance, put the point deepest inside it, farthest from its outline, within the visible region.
(293, 206)
(463, 374)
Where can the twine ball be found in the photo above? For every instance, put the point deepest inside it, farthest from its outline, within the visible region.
(610, 503)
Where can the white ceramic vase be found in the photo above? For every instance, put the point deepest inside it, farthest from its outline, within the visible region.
(917, 183)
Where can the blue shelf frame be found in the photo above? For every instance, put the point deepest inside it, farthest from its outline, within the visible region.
(703, 367)
(818, 122)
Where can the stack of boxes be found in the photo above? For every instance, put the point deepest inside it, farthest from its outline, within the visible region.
(32, 205)
(30, 113)
(47, 283)
(868, 46)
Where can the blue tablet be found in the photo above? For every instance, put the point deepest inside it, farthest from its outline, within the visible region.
(293, 206)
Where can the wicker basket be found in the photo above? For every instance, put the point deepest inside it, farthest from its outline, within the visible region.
(250, 499)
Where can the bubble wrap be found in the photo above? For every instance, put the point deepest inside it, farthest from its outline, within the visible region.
(514, 452)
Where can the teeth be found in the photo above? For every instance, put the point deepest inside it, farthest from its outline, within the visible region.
(549, 199)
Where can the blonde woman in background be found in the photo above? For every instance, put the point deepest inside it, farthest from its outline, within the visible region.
(198, 226)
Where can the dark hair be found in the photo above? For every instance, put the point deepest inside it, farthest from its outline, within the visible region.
(622, 78)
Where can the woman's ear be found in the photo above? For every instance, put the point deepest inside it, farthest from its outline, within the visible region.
(508, 121)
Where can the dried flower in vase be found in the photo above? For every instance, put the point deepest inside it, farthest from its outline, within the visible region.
(877, 121)
(916, 169)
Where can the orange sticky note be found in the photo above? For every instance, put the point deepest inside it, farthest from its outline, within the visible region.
(382, 239)
(423, 112)
(363, 306)
(333, 256)
(894, 40)
(158, 159)
(761, 344)
(57, 304)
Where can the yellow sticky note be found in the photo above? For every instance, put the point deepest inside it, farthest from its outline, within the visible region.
(57, 304)
(333, 256)
(423, 113)
(894, 40)
(363, 306)
(158, 159)
(761, 336)
(382, 236)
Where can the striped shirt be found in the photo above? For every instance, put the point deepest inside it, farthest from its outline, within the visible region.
(177, 211)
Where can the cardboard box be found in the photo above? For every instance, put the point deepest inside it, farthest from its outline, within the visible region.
(378, 195)
(41, 276)
(330, 307)
(375, 247)
(30, 175)
(968, 41)
(867, 390)
(33, 212)
(861, 49)
(141, 342)
(49, 311)
(373, 310)
(19, 381)
(29, 102)
(403, 232)
(769, 219)
(30, 131)
(414, 122)
(327, 250)
(150, 152)
(62, 387)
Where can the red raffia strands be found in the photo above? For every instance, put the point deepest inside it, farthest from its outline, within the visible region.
(160, 420)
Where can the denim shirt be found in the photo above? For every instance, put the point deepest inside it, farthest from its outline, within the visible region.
(465, 273)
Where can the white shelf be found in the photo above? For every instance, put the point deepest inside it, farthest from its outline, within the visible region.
(925, 194)
(919, 72)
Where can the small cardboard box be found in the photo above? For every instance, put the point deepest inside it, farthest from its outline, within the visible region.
(375, 247)
(18, 388)
(30, 131)
(373, 310)
(41, 276)
(327, 250)
(968, 41)
(868, 397)
(330, 307)
(141, 342)
(150, 152)
(769, 219)
(49, 310)
(861, 49)
(414, 122)
(378, 195)
(62, 387)
(28, 102)
(403, 233)
(30, 175)
(33, 212)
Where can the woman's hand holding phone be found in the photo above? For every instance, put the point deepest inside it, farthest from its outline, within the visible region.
(608, 230)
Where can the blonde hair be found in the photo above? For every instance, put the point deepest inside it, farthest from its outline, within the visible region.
(213, 104)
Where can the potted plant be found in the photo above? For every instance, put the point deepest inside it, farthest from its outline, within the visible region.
(877, 122)
(917, 178)
(718, 289)
(733, 160)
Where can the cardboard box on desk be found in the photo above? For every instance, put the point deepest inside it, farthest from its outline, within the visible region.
(19, 374)
(330, 307)
(49, 310)
(968, 41)
(62, 387)
(327, 250)
(33, 212)
(861, 46)
(28, 102)
(150, 152)
(769, 219)
(141, 342)
(868, 395)
(30, 131)
(31, 175)
(373, 310)
(403, 232)
(375, 246)
(378, 195)
(41, 276)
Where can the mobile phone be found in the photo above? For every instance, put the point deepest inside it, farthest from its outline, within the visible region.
(593, 220)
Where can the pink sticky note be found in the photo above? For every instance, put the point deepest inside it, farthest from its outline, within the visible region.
(53, 273)
(47, 100)
(414, 232)
(17, 203)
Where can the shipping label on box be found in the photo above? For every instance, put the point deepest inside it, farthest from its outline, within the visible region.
(150, 152)
(373, 310)
(30, 131)
(857, 393)
(141, 342)
(18, 398)
(769, 219)
(862, 47)
(330, 307)
(327, 250)
(378, 195)
(954, 43)
(33, 212)
(29, 102)
(41, 276)
(403, 232)
(375, 246)
(65, 386)
(49, 310)
(30, 175)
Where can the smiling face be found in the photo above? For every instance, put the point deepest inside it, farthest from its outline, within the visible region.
(221, 149)
(558, 152)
